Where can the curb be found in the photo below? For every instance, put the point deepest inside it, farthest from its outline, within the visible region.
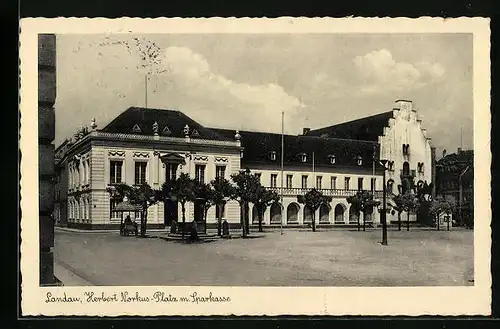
(68, 278)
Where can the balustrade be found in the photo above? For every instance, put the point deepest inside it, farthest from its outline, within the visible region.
(328, 192)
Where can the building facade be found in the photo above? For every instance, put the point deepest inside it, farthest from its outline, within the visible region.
(455, 178)
(157, 145)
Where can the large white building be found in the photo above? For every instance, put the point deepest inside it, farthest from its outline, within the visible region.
(155, 145)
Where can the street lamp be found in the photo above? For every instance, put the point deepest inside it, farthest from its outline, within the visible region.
(383, 214)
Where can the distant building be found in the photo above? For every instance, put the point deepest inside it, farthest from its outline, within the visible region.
(455, 177)
(156, 145)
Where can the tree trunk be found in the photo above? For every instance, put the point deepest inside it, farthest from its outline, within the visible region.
(219, 221)
(205, 219)
(247, 218)
(359, 225)
(183, 204)
(313, 221)
(437, 220)
(399, 221)
(364, 221)
(408, 221)
(447, 222)
(144, 223)
(260, 219)
(242, 219)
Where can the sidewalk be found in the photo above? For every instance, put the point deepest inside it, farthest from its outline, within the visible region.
(67, 229)
(67, 277)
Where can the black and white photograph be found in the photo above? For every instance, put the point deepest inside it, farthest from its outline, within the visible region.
(221, 158)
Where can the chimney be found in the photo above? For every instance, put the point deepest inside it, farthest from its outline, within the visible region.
(305, 131)
(444, 153)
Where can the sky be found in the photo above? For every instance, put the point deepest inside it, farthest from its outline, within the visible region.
(245, 81)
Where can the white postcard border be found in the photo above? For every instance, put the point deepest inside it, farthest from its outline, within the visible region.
(260, 300)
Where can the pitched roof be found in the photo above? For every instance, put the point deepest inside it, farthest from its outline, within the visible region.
(170, 123)
(258, 147)
(456, 162)
(368, 128)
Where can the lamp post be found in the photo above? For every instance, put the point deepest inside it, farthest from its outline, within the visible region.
(383, 214)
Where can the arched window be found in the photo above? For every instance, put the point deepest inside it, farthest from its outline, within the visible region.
(275, 213)
(339, 214)
(324, 213)
(255, 215)
(308, 214)
(406, 168)
(292, 213)
(390, 186)
(353, 215)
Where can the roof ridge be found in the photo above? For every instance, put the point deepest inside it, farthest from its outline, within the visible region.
(351, 121)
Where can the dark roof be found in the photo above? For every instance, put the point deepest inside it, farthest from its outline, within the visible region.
(456, 162)
(462, 156)
(258, 147)
(144, 118)
(368, 128)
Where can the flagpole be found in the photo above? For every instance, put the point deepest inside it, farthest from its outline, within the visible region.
(282, 151)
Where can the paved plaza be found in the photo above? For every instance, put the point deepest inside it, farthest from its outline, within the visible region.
(296, 258)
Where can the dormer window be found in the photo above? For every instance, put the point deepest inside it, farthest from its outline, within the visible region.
(359, 160)
(332, 158)
(195, 133)
(406, 149)
(272, 155)
(136, 128)
(166, 131)
(303, 157)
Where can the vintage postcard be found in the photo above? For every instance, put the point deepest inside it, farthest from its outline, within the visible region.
(223, 166)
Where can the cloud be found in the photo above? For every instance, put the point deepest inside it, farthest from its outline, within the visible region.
(379, 71)
(252, 104)
(103, 78)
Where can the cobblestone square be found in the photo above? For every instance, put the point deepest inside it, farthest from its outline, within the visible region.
(296, 258)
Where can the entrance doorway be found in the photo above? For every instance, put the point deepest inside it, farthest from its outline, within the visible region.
(170, 212)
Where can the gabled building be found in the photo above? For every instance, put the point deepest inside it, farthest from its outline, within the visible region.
(156, 145)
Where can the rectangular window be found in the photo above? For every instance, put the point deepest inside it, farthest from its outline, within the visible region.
(274, 178)
(333, 183)
(289, 181)
(115, 172)
(170, 172)
(84, 172)
(220, 172)
(373, 181)
(360, 183)
(140, 172)
(200, 173)
(346, 183)
(319, 180)
(304, 181)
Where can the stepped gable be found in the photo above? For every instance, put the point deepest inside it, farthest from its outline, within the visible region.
(367, 128)
(170, 123)
(258, 147)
